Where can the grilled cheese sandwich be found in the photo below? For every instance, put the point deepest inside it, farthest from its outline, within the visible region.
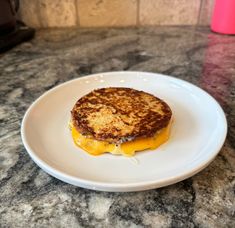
(120, 121)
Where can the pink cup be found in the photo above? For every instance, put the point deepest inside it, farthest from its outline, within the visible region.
(223, 19)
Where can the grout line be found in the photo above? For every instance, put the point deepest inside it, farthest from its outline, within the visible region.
(39, 15)
(77, 14)
(138, 13)
(200, 12)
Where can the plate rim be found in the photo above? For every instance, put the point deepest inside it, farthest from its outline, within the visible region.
(115, 186)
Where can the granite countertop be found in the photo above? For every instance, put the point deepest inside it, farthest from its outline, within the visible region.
(31, 198)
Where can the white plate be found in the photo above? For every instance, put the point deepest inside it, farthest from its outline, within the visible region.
(198, 133)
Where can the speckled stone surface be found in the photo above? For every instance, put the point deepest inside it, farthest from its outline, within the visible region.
(31, 198)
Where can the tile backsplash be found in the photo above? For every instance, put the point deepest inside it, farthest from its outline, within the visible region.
(107, 12)
(111, 13)
(169, 12)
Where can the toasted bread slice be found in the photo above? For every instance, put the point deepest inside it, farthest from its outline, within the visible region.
(118, 115)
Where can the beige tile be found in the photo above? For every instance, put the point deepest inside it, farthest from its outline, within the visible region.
(206, 12)
(169, 12)
(107, 12)
(29, 13)
(57, 13)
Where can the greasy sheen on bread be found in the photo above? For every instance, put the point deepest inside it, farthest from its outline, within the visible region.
(117, 115)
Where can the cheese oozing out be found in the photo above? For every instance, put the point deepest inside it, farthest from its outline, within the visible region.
(95, 147)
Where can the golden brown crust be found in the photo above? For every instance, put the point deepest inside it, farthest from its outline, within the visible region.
(117, 115)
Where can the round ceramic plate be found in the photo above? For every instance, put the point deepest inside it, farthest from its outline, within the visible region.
(198, 133)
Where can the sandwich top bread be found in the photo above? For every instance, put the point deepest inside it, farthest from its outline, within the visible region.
(120, 121)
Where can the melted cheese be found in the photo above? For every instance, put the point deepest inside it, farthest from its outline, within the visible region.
(96, 147)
